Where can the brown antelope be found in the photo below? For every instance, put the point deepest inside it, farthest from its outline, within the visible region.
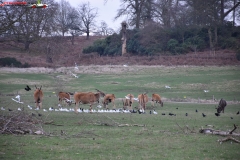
(128, 102)
(156, 98)
(86, 98)
(107, 98)
(64, 96)
(142, 99)
(38, 96)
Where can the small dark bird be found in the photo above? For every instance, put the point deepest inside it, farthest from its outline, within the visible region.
(39, 114)
(196, 110)
(186, 114)
(133, 111)
(33, 114)
(171, 114)
(217, 114)
(203, 115)
(163, 113)
(231, 117)
(9, 109)
(238, 112)
(27, 88)
(176, 108)
(150, 112)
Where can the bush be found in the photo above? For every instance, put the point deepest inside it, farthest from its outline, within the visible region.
(12, 62)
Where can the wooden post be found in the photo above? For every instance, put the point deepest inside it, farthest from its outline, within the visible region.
(124, 38)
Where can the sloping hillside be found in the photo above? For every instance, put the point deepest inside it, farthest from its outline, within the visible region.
(69, 54)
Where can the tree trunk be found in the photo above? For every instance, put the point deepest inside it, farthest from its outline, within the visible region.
(26, 45)
(210, 38)
(124, 37)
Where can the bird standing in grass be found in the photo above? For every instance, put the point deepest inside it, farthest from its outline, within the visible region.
(27, 88)
(186, 114)
(154, 112)
(203, 115)
(196, 110)
(238, 112)
(217, 114)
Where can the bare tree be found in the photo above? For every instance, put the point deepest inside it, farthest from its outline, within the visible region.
(104, 29)
(64, 16)
(87, 15)
(9, 16)
(33, 24)
(133, 10)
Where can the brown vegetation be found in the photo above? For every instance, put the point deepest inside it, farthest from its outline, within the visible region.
(64, 54)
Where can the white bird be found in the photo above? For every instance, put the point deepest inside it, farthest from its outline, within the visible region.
(136, 99)
(19, 109)
(76, 67)
(167, 87)
(37, 109)
(38, 132)
(2, 108)
(56, 110)
(44, 110)
(125, 65)
(99, 106)
(18, 101)
(59, 105)
(29, 107)
(51, 109)
(68, 100)
(18, 98)
(206, 91)
(154, 112)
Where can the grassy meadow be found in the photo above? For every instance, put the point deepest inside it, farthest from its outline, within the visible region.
(147, 136)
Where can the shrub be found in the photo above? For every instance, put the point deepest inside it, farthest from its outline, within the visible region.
(12, 62)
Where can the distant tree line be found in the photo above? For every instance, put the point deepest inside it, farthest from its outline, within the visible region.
(154, 26)
(26, 25)
(174, 27)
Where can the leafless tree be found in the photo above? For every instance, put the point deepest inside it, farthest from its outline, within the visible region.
(64, 16)
(33, 24)
(87, 15)
(133, 10)
(104, 30)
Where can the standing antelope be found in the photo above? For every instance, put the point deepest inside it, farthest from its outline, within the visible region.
(86, 98)
(64, 96)
(156, 98)
(128, 102)
(143, 99)
(38, 96)
(107, 98)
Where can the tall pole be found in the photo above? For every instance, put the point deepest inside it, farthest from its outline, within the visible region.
(124, 37)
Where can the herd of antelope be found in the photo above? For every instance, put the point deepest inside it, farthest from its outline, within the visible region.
(92, 98)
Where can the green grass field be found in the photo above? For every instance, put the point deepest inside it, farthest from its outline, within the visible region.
(98, 135)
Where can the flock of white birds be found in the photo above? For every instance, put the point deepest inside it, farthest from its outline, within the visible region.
(17, 99)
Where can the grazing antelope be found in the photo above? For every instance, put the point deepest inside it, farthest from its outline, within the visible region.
(143, 99)
(156, 98)
(128, 102)
(107, 98)
(64, 96)
(86, 98)
(221, 106)
(38, 96)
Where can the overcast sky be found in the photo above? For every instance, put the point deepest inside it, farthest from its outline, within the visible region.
(106, 12)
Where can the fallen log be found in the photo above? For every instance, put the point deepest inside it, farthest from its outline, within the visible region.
(228, 138)
(229, 134)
